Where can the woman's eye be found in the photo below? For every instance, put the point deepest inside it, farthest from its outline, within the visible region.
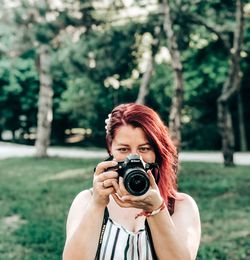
(144, 149)
(123, 150)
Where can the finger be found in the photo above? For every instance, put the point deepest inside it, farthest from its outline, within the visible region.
(117, 190)
(108, 191)
(152, 179)
(107, 175)
(129, 203)
(98, 186)
(103, 166)
(115, 185)
(109, 183)
(122, 187)
(130, 198)
(120, 202)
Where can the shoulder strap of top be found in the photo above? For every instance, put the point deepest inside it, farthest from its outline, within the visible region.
(104, 223)
(148, 232)
(171, 203)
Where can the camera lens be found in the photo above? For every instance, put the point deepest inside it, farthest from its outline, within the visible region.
(136, 182)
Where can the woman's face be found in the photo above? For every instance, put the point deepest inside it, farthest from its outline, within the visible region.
(131, 140)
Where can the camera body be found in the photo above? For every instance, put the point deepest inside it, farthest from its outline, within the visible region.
(134, 173)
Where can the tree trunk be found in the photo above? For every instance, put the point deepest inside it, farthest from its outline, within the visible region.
(230, 88)
(176, 107)
(13, 131)
(242, 132)
(45, 101)
(144, 87)
(225, 123)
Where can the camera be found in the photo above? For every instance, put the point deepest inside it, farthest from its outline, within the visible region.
(134, 173)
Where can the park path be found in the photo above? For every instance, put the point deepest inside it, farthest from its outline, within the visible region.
(8, 150)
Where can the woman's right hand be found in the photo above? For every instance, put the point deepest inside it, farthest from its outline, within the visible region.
(103, 182)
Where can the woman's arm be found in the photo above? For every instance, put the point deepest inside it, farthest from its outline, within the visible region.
(83, 228)
(86, 215)
(177, 237)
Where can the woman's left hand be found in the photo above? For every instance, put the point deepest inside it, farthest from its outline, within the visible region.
(149, 201)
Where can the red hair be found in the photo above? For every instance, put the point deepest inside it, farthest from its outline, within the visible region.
(157, 134)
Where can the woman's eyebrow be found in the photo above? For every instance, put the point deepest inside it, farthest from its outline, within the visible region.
(121, 144)
(145, 144)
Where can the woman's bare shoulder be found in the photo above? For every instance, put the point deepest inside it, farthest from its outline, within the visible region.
(187, 220)
(77, 209)
(82, 197)
(185, 202)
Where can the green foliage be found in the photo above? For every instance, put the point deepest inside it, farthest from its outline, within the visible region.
(79, 101)
(90, 45)
(203, 85)
(18, 87)
(96, 56)
(161, 90)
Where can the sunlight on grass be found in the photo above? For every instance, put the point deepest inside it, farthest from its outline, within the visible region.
(222, 195)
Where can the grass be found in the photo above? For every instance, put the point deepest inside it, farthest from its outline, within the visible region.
(222, 195)
(35, 196)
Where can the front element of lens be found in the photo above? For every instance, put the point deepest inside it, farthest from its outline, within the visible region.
(136, 181)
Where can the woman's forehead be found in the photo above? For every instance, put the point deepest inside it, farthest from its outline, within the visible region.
(127, 133)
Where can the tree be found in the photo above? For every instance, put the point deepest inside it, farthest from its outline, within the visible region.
(45, 101)
(242, 131)
(45, 114)
(177, 99)
(230, 89)
(97, 54)
(145, 81)
(220, 25)
(44, 33)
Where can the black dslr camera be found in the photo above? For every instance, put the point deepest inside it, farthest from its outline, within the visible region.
(134, 173)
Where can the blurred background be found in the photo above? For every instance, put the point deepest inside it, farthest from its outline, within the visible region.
(92, 55)
(64, 64)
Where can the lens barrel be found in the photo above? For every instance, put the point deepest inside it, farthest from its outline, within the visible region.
(136, 181)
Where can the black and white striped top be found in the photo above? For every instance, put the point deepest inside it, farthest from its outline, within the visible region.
(122, 244)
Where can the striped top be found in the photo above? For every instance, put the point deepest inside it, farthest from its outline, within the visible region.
(120, 243)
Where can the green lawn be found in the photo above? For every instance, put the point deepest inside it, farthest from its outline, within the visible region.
(35, 196)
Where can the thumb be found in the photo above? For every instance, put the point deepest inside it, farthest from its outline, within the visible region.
(152, 180)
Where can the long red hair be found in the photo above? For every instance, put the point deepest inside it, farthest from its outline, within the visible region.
(157, 134)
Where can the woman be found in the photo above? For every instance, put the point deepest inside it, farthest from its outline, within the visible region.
(108, 222)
